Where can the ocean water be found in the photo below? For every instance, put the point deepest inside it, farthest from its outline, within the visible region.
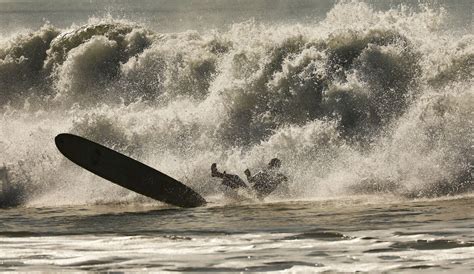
(369, 105)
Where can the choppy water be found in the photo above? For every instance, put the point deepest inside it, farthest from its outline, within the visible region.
(347, 234)
(369, 105)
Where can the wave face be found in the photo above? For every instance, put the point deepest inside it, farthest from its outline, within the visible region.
(362, 102)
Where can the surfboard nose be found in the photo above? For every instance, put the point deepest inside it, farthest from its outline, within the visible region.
(65, 143)
(59, 139)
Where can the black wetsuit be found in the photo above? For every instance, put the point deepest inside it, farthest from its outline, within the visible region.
(265, 182)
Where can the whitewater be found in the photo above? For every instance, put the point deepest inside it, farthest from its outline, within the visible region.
(369, 105)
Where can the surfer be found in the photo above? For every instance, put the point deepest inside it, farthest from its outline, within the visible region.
(263, 182)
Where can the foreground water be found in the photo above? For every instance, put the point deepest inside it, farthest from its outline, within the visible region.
(346, 234)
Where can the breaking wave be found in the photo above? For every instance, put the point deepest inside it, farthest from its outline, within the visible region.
(362, 102)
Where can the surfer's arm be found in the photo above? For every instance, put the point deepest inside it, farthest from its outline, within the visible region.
(248, 174)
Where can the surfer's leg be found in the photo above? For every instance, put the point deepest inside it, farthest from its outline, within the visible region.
(215, 172)
(235, 181)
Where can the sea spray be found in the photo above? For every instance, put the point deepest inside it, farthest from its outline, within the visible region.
(362, 102)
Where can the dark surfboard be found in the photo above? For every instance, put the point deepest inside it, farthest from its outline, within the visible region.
(126, 172)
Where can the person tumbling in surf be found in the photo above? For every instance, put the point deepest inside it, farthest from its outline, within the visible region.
(263, 182)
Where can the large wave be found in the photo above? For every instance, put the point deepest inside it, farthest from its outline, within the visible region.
(364, 101)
